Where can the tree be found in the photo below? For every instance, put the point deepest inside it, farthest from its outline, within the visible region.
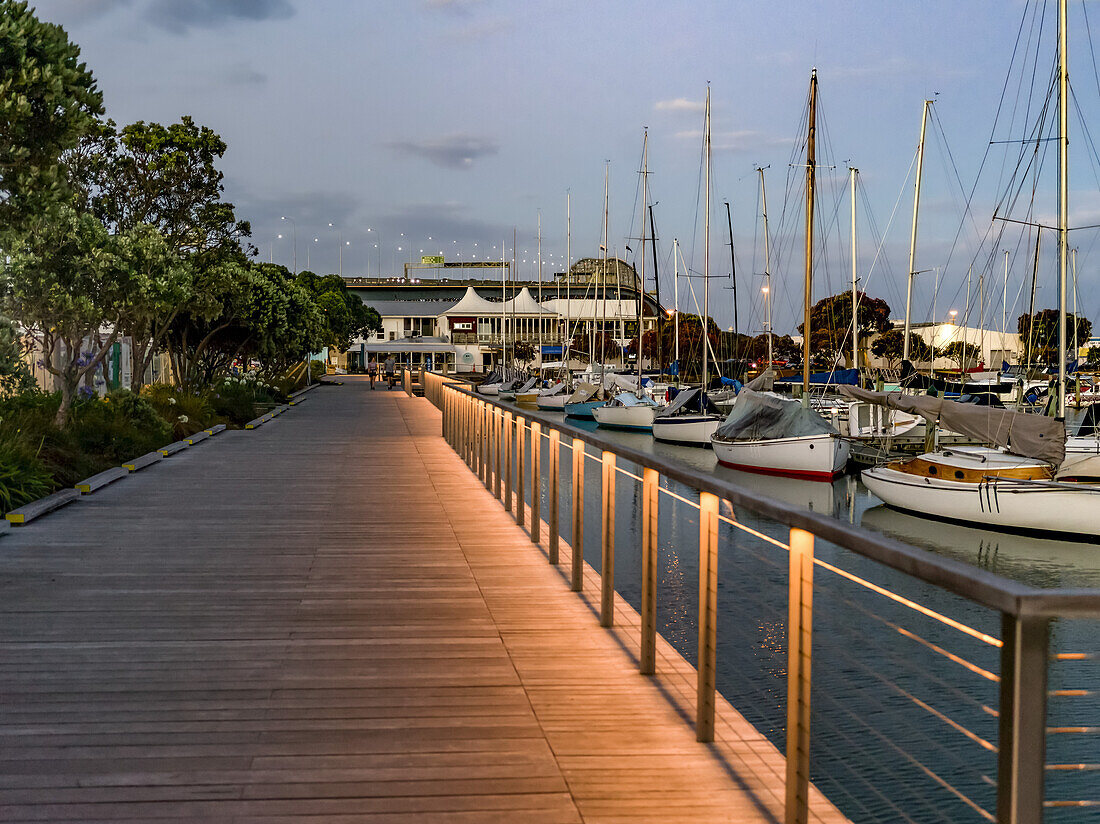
(831, 324)
(166, 177)
(1094, 354)
(605, 346)
(1042, 331)
(889, 345)
(68, 279)
(15, 376)
(962, 353)
(344, 315)
(691, 341)
(48, 100)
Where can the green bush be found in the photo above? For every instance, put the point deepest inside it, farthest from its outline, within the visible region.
(23, 476)
(121, 426)
(236, 398)
(185, 413)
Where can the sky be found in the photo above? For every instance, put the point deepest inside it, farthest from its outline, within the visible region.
(443, 126)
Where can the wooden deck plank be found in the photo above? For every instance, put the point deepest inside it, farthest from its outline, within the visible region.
(329, 619)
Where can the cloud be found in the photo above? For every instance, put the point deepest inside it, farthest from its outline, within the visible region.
(78, 11)
(448, 221)
(745, 140)
(463, 8)
(457, 151)
(679, 104)
(178, 16)
(242, 74)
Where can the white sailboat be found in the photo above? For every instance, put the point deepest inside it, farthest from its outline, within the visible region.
(1027, 483)
(633, 409)
(693, 420)
(763, 432)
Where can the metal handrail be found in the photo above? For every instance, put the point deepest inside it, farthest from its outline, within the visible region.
(487, 434)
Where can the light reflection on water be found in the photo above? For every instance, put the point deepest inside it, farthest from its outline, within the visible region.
(864, 672)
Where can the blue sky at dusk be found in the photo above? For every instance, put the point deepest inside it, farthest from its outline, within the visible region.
(459, 120)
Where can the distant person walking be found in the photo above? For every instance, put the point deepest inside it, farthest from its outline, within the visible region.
(391, 371)
(372, 370)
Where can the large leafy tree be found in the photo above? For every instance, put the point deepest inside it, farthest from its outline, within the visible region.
(69, 281)
(165, 177)
(890, 345)
(344, 316)
(831, 324)
(15, 376)
(1041, 329)
(48, 101)
(963, 353)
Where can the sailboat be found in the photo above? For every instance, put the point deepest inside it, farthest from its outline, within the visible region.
(691, 418)
(633, 409)
(772, 434)
(1024, 481)
(553, 397)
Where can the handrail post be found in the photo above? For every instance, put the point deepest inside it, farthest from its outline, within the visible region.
(536, 481)
(552, 494)
(467, 455)
(1021, 750)
(521, 468)
(490, 445)
(799, 656)
(607, 541)
(577, 570)
(708, 616)
(498, 430)
(479, 458)
(509, 433)
(650, 504)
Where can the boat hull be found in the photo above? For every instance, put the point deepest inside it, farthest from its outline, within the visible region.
(625, 417)
(815, 457)
(582, 410)
(1006, 505)
(527, 397)
(551, 403)
(491, 390)
(693, 430)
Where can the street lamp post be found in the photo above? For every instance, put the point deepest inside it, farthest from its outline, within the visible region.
(294, 235)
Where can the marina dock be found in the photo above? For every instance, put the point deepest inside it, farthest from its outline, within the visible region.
(329, 619)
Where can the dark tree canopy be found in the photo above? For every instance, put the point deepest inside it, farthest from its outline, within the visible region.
(889, 345)
(48, 101)
(964, 354)
(831, 324)
(1042, 331)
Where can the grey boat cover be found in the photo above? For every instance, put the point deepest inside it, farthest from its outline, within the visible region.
(763, 416)
(556, 389)
(529, 385)
(762, 382)
(583, 393)
(1033, 436)
(687, 401)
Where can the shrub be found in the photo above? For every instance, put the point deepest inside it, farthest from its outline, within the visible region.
(184, 412)
(121, 426)
(23, 476)
(236, 398)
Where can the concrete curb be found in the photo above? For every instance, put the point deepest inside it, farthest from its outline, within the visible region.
(28, 512)
(107, 476)
(145, 460)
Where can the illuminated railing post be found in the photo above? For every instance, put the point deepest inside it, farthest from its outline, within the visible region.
(799, 644)
(708, 617)
(1021, 752)
(552, 494)
(490, 445)
(577, 570)
(464, 413)
(509, 433)
(536, 481)
(650, 503)
(607, 541)
(498, 432)
(480, 439)
(521, 468)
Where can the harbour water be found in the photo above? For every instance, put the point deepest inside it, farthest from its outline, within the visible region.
(904, 706)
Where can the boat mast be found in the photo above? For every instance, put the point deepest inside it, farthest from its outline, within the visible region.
(913, 233)
(811, 179)
(641, 275)
(540, 290)
(657, 292)
(603, 279)
(855, 300)
(503, 309)
(1004, 308)
(706, 245)
(1063, 199)
(767, 269)
(567, 340)
(733, 280)
(676, 302)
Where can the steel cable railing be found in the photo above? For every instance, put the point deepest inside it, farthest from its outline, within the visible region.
(884, 643)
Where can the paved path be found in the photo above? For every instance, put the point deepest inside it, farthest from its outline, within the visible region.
(328, 619)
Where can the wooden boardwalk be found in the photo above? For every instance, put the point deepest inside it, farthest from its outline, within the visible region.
(328, 619)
